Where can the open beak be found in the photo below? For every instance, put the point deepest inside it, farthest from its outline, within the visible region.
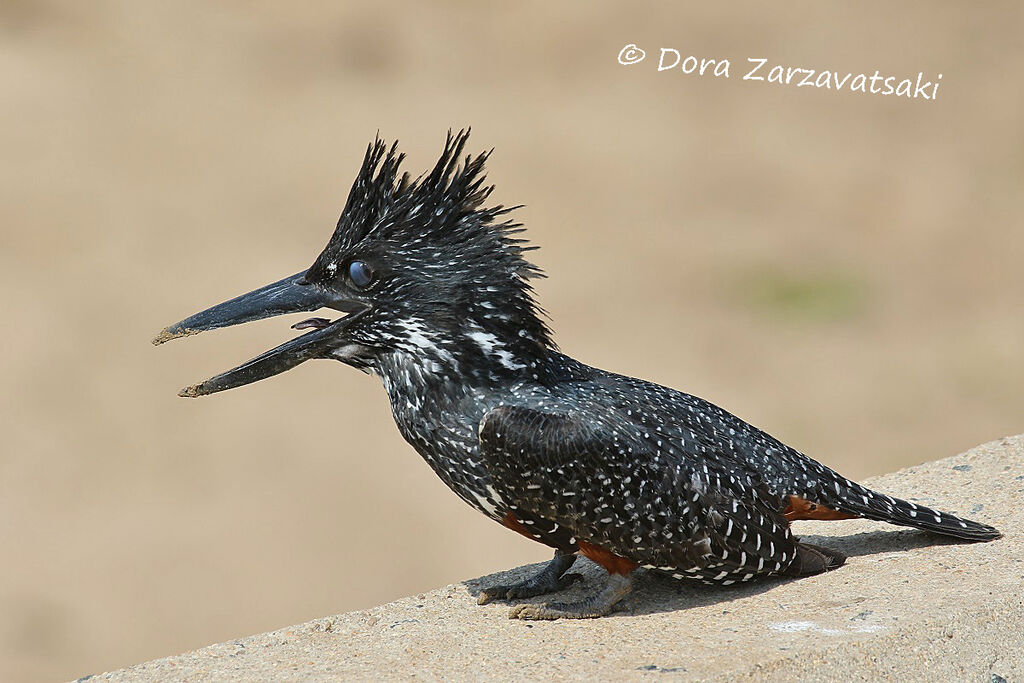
(290, 295)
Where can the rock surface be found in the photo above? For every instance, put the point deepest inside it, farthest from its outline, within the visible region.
(907, 606)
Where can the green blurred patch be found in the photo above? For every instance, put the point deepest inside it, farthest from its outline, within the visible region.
(819, 296)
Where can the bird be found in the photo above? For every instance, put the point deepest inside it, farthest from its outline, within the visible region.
(437, 300)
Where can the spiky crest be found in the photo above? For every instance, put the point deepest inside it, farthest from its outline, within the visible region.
(441, 234)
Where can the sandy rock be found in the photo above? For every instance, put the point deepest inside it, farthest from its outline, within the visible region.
(907, 606)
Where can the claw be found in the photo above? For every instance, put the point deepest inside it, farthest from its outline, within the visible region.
(603, 603)
(550, 579)
(530, 588)
(557, 610)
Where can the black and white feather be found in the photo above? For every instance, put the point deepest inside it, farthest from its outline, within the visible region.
(514, 427)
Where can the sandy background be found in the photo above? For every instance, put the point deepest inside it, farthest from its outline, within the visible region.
(842, 269)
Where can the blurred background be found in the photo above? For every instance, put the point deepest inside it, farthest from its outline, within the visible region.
(841, 269)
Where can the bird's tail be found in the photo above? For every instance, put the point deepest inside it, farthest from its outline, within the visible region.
(849, 497)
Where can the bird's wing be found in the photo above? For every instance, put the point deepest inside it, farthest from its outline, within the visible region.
(613, 487)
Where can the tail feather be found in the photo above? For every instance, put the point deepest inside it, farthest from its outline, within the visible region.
(847, 496)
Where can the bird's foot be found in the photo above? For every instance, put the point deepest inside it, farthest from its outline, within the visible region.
(599, 605)
(529, 588)
(551, 579)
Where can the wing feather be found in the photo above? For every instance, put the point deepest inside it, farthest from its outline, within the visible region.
(612, 487)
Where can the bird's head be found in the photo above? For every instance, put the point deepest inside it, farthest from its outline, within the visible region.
(423, 269)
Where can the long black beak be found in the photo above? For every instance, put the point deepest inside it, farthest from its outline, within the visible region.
(278, 298)
(290, 295)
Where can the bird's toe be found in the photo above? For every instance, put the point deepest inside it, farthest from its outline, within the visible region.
(558, 610)
(530, 588)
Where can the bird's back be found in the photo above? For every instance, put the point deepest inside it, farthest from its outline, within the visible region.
(668, 479)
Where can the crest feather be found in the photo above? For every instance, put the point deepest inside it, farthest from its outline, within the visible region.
(445, 206)
(441, 217)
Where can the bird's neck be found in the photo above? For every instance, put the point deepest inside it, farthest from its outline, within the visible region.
(431, 371)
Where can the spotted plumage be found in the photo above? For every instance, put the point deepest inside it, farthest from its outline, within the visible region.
(628, 473)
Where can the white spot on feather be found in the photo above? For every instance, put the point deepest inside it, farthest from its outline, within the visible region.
(492, 346)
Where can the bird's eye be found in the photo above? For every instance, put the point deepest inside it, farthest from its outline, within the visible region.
(360, 274)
